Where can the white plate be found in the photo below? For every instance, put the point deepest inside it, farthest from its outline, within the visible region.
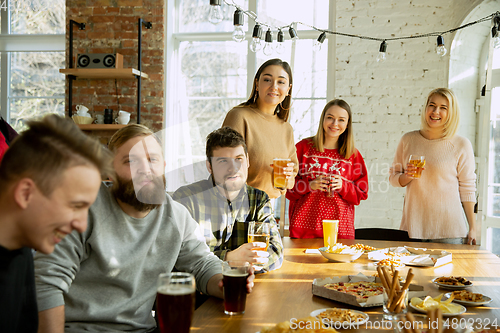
(462, 310)
(315, 313)
(449, 286)
(341, 257)
(469, 303)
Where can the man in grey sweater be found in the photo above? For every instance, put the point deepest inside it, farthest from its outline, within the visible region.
(105, 278)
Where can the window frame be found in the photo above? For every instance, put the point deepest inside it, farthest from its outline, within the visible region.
(22, 43)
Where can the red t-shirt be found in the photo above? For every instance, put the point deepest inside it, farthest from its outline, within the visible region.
(309, 208)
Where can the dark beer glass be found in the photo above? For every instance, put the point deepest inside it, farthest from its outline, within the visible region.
(235, 274)
(175, 301)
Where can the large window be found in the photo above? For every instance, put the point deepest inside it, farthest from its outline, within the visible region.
(211, 73)
(32, 52)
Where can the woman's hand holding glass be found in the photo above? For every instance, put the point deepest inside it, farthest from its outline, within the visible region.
(319, 183)
(336, 182)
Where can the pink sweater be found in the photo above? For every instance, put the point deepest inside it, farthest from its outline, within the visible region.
(432, 207)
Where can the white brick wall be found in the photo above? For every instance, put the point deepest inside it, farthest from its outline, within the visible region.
(386, 98)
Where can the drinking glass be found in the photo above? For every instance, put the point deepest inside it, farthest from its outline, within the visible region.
(419, 162)
(398, 304)
(175, 300)
(235, 274)
(259, 232)
(279, 177)
(330, 231)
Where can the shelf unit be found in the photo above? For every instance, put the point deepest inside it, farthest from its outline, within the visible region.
(105, 73)
(102, 132)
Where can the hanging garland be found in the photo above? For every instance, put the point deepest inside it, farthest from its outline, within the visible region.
(216, 16)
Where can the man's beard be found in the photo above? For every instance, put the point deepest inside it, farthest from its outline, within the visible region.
(147, 198)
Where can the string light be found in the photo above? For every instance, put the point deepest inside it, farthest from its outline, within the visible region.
(441, 49)
(495, 31)
(268, 47)
(280, 47)
(293, 33)
(238, 21)
(382, 52)
(256, 44)
(319, 42)
(215, 15)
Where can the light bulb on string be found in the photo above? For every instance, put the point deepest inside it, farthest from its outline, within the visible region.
(293, 33)
(319, 42)
(256, 45)
(280, 45)
(215, 15)
(238, 21)
(441, 49)
(382, 52)
(268, 47)
(495, 32)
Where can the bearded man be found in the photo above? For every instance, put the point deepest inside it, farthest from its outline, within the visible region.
(105, 279)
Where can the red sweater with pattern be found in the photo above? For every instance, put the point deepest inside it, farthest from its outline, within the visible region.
(308, 208)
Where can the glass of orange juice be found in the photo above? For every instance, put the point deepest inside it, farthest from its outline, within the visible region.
(330, 231)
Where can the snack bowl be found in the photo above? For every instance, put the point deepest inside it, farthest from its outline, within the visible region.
(83, 120)
(340, 257)
(433, 303)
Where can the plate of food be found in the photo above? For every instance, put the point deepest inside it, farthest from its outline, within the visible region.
(468, 298)
(452, 282)
(336, 317)
(391, 262)
(363, 247)
(340, 253)
(447, 307)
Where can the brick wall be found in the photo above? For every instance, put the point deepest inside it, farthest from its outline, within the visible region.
(111, 27)
(386, 98)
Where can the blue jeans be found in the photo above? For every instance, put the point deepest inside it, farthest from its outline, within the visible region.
(459, 240)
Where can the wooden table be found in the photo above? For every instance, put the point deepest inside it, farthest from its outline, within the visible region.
(286, 293)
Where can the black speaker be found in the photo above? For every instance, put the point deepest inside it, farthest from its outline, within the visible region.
(99, 60)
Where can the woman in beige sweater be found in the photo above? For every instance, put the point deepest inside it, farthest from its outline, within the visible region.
(433, 203)
(262, 121)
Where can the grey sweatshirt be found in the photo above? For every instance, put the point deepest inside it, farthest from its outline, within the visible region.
(106, 277)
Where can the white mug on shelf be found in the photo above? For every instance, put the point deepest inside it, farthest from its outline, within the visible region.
(82, 111)
(123, 117)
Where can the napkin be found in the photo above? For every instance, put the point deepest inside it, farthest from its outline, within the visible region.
(312, 251)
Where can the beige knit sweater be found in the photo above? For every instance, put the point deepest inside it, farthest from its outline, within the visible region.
(432, 207)
(267, 137)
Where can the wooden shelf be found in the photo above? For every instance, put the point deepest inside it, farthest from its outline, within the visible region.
(104, 73)
(100, 127)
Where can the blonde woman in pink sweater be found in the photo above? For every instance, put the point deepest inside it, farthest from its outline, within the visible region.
(438, 204)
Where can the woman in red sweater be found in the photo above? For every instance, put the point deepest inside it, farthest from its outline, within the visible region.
(328, 159)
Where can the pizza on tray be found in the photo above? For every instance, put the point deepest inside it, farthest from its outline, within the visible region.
(361, 289)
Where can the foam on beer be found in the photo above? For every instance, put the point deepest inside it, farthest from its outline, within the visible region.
(235, 273)
(175, 290)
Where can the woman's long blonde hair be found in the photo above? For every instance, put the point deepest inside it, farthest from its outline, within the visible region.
(453, 120)
(346, 139)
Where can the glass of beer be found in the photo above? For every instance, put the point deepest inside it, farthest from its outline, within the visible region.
(259, 232)
(279, 178)
(235, 274)
(175, 300)
(330, 231)
(419, 162)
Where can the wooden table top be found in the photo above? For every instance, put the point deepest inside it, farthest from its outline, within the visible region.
(285, 293)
